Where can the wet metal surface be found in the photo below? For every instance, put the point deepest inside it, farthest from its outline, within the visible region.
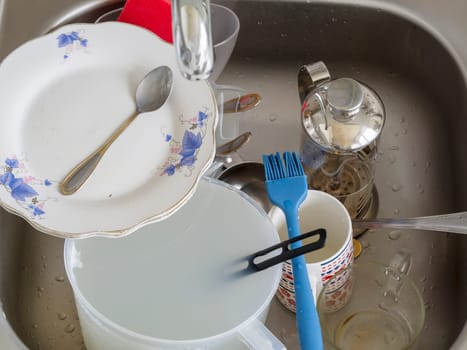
(421, 162)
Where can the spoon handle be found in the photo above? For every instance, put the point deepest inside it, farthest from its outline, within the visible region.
(241, 104)
(73, 181)
(454, 223)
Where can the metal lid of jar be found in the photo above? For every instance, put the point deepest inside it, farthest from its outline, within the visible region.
(343, 115)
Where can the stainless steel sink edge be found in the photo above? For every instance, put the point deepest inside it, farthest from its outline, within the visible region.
(71, 10)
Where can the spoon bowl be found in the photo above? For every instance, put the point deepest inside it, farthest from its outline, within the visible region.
(151, 94)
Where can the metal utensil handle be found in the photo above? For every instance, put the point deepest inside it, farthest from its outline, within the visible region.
(287, 253)
(77, 176)
(242, 104)
(454, 223)
(310, 76)
(233, 145)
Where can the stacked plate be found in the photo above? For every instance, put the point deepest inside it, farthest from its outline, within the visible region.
(63, 94)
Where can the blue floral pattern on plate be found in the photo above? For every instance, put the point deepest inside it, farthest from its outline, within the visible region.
(71, 41)
(183, 154)
(14, 178)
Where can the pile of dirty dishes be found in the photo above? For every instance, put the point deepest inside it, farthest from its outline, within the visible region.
(183, 278)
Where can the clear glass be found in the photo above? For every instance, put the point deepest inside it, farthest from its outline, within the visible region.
(348, 177)
(371, 306)
(193, 38)
(225, 28)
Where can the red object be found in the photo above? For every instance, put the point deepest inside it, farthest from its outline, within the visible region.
(154, 15)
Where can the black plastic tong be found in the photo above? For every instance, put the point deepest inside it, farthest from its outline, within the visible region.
(287, 253)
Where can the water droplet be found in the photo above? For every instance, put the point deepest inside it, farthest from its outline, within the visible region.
(273, 117)
(396, 211)
(334, 20)
(423, 279)
(61, 316)
(394, 235)
(394, 148)
(44, 265)
(384, 307)
(284, 35)
(70, 328)
(40, 289)
(364, 244)
(396, 187)
(421, 191)
(346, 21)
(404, 131)
(427, 305)
(260, 22)
(402, 119)
(35, 326)
(43, 257)
(392, 159)
(396, 134)
(414, 164)
(59, 278)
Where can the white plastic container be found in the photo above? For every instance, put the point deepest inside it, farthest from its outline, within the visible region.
(182, 283)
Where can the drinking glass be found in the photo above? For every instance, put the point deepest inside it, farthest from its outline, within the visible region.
(378, 307)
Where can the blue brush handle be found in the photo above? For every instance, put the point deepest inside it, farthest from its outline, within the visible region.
(309, 329)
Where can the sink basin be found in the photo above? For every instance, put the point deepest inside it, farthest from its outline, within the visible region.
(420, 168)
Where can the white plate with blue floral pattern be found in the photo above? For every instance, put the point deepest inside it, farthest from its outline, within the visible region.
(62, 95)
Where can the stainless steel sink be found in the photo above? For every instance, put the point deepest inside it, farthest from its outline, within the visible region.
(420, 171)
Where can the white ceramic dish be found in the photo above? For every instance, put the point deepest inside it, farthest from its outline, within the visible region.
(62, 95)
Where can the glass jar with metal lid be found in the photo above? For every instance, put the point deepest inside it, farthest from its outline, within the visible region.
(342, 120)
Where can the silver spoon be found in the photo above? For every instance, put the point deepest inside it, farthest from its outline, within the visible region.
(233, 145)
(241, 104)
(151, 94)
(224, 154)
(454, 223)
